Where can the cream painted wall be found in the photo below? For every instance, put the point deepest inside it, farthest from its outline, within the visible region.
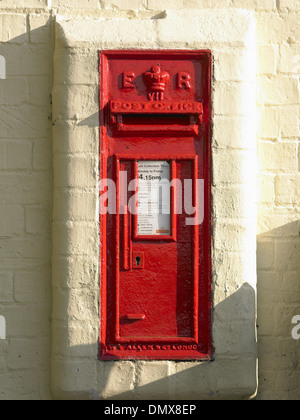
(27, 34)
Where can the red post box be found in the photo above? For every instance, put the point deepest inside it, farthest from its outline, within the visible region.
(155, 157)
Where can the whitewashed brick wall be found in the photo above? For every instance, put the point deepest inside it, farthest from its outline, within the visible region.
(25, 206)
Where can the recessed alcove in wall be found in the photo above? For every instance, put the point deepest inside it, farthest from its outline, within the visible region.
(76, 370)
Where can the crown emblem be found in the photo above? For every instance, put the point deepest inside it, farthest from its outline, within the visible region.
(156, 82)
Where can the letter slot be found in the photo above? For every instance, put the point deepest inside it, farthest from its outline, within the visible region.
(155, 145)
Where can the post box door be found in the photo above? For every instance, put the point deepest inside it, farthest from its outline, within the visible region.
(155, 246)
(158, 275)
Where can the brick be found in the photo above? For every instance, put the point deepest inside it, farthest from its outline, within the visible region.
(3, 357)
(75, 239)
(279, 122)
(21, 263)
(154, 380)
(14, 91)
(287, 383)
(288, 5)
(75, 340)
(229, 202)
(2, 68)
(7, 287)
(3, 156)
(194, 28)
(289, 62)
(75, 205)
(270, 283)
(234, 99)
(25, 248)
(40, 28)
(244, 383)
(265, 255)
(229, 64)
(280, 156)
(13, 28)
(279, 90)
(225, 341)
(38, 221)
(232, 237)
(268, 56)
(274, 27)
(234, 266)
(78, 375)
(24, 321)
(125, 4)
(82, 305)
(24, 121)
(288, 189)
(289, 120)
(265, 313)
(291, 287)
(11, 221)
(27, 59)
(191, 378)
(235, 170)
(75, 171)
(280, 225)
(19, 155)
(7, 4)
(68, 137)
(40, 90)
(71, 65)
(31, 287)
(23, 354)
(187, 4)
(254, 4)
(267, 188)
(25, 188)
(234, 133)
(117, 378)
(287, 255)
(132, 33)
(77, 103)
(269, 126)
(75, 272)
(276, 352)
(42, 155)
(76, 4)
(23, 383)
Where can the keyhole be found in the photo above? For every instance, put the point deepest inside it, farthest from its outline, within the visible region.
(138, 261)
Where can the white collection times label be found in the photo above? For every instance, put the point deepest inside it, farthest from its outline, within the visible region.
(154, 198)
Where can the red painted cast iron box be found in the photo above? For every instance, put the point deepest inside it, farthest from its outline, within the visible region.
(155, 204)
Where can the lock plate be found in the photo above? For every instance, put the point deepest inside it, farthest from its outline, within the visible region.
(138, 260)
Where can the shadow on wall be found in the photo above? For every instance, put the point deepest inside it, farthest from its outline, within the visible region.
(278, 303)
(232, 375)
(278, 353)
(26, 204)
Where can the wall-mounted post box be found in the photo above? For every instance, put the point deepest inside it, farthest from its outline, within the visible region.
(155, 130)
